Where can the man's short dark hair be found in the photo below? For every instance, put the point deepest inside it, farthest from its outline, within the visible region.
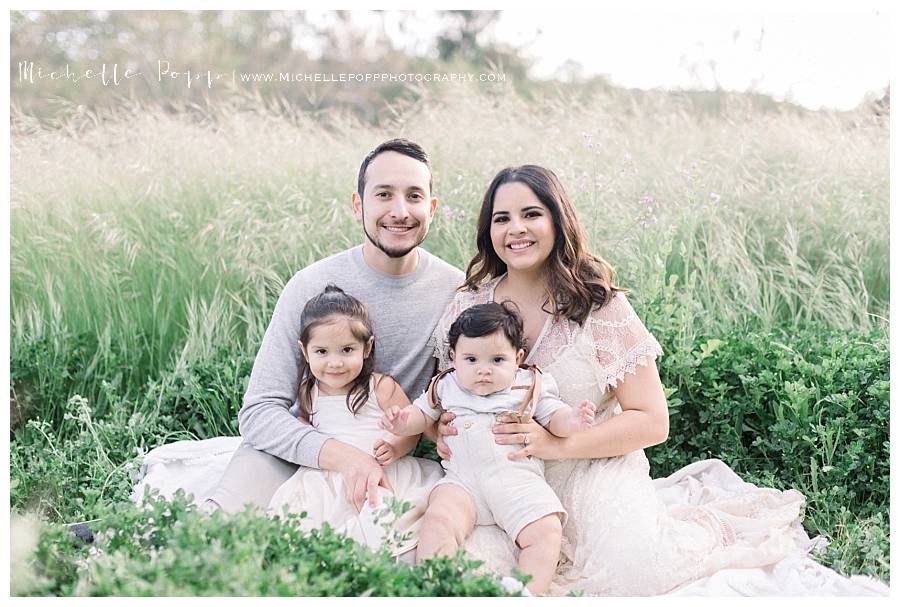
(485, 319)
(401, 146)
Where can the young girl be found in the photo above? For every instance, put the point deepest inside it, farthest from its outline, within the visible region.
(341, 396)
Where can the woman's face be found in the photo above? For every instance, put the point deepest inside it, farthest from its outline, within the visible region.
(521, 228)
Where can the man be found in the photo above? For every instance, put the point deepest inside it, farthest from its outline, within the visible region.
(406, 289)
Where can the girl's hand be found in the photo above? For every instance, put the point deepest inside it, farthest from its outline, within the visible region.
(385, 453)
(394, 419)
(445, 429)
(535, 440)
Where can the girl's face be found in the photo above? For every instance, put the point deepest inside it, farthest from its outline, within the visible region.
(335, 356)
(521, 228)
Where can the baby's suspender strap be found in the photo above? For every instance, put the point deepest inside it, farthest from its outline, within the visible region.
(433, 399)
(534, 392)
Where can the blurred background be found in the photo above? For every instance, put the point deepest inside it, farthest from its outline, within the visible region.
(822, 57)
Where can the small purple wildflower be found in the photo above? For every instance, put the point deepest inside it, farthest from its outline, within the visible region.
(715, 197)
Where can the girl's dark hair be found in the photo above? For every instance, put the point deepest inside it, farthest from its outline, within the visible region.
(577, 280)
(488, 318)
(328, 306)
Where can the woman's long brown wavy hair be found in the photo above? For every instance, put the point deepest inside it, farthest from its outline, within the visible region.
(328, 306)
(577, 280)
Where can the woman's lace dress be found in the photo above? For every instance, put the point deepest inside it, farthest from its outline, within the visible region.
(627, 534)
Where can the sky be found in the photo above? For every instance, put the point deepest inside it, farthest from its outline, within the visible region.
(816, 54)
(827, 57)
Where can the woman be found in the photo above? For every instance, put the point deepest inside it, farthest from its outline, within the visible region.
(622, 538)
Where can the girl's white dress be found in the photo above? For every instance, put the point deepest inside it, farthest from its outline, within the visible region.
(322, 494)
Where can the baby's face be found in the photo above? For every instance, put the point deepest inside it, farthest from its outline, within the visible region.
(487, 364)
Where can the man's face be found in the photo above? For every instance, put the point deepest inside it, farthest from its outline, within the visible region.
(487, 364)
(396, 207)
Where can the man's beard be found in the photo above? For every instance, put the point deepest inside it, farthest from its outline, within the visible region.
(392, 253)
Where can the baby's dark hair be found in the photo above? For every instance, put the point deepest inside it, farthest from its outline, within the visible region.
(488, 318)
(326, 307)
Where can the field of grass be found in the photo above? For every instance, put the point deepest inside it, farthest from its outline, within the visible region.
(148, 248)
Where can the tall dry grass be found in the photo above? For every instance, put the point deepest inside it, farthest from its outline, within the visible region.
(169, 235)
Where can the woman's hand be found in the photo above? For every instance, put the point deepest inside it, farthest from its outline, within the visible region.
(535, 440)
(445, 429)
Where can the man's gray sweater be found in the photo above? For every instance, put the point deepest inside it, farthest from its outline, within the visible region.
(404, 311)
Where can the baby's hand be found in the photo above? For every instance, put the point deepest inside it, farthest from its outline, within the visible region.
(567, 421)
(394, 420)
(583, 416)
(385, 453)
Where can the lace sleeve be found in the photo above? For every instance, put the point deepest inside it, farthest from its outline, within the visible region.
(621, 341)
(438, 340)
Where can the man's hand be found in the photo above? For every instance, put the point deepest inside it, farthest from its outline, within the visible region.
(445, 429)
(362, 475)
(385, 453)
(395, 420)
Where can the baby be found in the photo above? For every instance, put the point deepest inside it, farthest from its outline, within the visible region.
(487, 347)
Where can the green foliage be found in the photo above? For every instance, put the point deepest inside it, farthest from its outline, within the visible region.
(70, 472)
(93, 455)
(426, 449)
(204, 397)
(860, 545)
(171, 549)
(811, 406)
(47, 370)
